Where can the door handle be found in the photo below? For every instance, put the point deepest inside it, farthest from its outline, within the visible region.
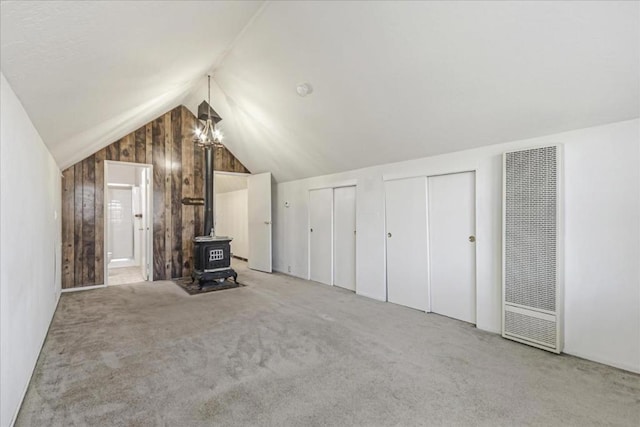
(312, 230)
(267, 222)
(472, 239)
(388, 234)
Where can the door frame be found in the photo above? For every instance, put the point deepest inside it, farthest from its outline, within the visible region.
(149, 203)
(475, 221)
(347, 183)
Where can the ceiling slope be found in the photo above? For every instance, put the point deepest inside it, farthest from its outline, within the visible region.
(88, 73)
(395, 81)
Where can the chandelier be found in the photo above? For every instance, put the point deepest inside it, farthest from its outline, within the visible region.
(210, 136)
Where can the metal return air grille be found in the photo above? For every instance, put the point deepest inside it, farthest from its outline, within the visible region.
(530, 262)
(530, 238)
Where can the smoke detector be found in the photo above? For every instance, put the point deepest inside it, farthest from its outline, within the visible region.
(304, 89)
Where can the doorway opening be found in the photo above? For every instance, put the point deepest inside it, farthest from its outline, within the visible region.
(128, 223)
(243, 212)
(232, 211)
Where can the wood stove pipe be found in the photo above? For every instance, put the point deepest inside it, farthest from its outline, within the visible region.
(209, 196)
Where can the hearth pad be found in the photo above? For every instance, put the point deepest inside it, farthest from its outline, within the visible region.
(193, 288)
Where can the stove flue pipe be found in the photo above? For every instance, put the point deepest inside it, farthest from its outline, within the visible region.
(209, 196)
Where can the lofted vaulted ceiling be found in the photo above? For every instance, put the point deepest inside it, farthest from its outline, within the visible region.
(392, 80)
(90, 72)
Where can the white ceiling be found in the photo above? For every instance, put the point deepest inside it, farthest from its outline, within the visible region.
(90, 72)
(392, 80)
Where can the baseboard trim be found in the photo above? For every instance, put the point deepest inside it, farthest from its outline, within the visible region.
(603, 361)
(84, 288)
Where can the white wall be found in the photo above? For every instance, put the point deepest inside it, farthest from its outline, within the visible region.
(29, 248)
(232, 220)
(602, 215)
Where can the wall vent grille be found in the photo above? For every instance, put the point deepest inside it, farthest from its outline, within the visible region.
(530, 244)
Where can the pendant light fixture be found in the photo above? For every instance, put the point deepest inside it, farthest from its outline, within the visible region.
(210, 136)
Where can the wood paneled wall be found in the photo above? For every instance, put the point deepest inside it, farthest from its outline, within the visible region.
(167, 144)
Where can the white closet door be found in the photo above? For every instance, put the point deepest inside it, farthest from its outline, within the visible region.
(320, 235)
(344, 237)
(452, 258)
(406, 227)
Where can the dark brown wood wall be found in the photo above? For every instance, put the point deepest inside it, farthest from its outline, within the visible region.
(167, 144)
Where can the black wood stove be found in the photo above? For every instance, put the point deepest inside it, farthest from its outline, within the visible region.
(212, 254)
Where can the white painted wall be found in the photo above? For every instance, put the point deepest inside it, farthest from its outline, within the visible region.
(29, 249)
(602, 216)
(232, 220)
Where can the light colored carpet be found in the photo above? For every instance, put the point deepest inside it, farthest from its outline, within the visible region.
(283, 351)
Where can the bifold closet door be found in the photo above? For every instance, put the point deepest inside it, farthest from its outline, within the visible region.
(452, 253)
(344, 237)
(320, 235)
(406, 228)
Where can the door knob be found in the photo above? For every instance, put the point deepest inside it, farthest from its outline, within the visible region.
(388, 234)
(472, 239)
(267, 222)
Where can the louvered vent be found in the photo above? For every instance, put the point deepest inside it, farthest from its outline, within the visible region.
(530, 262)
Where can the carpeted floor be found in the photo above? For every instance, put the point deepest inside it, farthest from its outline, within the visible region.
(283, 351)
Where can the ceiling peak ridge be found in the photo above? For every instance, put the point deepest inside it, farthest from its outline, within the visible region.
(221, 58)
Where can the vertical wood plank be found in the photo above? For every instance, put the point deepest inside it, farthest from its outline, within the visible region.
(113, 151)
(148, 129)
(88, 220)
(188, 211)
(68, 211)
(77, 226)
(168, 151)
(127, 149)
(140, 138)
(176, 193)
(166, 143)
(99, 215)
(159, 182)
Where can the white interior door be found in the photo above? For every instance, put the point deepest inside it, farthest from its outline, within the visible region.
(452, 253)
(344, 237)
(406, 227)
(320, 235)
(259, 205)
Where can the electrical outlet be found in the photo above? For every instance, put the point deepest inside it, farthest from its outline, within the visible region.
(289, 269)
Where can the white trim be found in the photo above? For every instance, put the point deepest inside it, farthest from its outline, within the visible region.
(84, 288)
(606, 361)
(231, 173)
(407, 175)
(345, 183)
